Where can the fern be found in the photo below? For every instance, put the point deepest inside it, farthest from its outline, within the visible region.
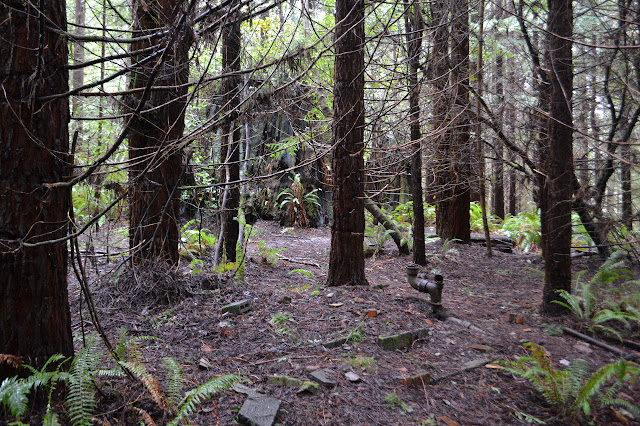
(175, 380)
(205, 391)
(150, 383)
(573, 391)
(81, 389)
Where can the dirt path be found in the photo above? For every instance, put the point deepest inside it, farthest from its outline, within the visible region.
(292, 314)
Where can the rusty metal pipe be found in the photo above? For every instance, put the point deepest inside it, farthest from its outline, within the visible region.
(420, 283)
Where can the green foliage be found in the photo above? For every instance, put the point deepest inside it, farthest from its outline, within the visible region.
(572, 392)
(608, 297)
(195, 242)
(14, 391)
(280, 322)
(299, 204)
(403, 214)
(475, 212)
(365, 363)
(81, 389)
(376, 234)
(524, 229)
(393, 401)
(355, 335)
(269, 255)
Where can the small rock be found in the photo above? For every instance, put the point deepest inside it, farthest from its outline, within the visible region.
(417, 380)
(335, 343)
(352, 377)
(237, 308)
(481, 348)
(223, 324)
(259, 411)
(371, 313)
(330, 295)
(285, 300)
(323, 377)
(564, 362)
(476, 363)
(204, 364)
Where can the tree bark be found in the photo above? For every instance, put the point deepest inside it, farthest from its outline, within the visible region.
(559, 170)
(231, 45)
(154, 152)
(346, 257)
(414, 25)
(34, 309)
(452, 174)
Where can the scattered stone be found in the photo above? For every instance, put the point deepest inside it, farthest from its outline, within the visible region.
(397, 341)
(421, 333)
(583, 347)
(335, 343)
(323, 377)
(352, 377)
(564, 362)
(417, 380)
(516, 319)
(237, 308)
(259, 411)
(330, 295)
(308, 387)
(223, 324)
(285, 300)
(288, 381)
(481, 348)
(476, 363)
(240, 388)
(371, 313)
(204, 364)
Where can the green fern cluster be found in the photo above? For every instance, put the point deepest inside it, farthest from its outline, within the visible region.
(572, 392)
(603, 300)
(87, 367)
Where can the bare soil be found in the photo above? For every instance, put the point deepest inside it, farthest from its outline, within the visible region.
(499, 297)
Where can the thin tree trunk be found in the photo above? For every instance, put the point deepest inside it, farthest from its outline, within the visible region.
(346, 257)
(34, 309)
(231, 46)
(414, 26)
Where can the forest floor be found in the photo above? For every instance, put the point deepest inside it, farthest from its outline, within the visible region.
(444, 376)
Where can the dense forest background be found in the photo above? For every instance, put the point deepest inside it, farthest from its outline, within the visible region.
(161, 131)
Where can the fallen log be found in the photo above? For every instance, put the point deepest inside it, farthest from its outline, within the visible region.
(388, 224)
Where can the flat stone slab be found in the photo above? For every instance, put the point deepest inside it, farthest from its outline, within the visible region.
(259, 411)
(397, 341)
(420, 379)
(237, 308)
(335, 343)
(323, 377)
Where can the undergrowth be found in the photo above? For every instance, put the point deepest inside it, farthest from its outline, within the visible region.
(572, 392)
(85, 376)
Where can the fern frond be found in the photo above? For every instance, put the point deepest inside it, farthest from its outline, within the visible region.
(12, 360)
(150, 383)
(203, 392)
(175, 380)
(81, 389)
(13, 395)
(146, 417)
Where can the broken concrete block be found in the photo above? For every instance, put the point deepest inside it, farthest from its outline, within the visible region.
(323, 377)
(259, 411)
(335, 343)
(352, 377)
(237, 308)
(397, 341)
(288, 381)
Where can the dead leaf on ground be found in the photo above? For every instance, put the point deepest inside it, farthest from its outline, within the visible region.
(449, 421)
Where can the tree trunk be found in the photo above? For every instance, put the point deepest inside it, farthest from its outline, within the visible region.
(156, 157)
(346, 257)
(414, 26)
(452, 176)
(498, 164)
(34, 308)
(559, 171)
(231, 45)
